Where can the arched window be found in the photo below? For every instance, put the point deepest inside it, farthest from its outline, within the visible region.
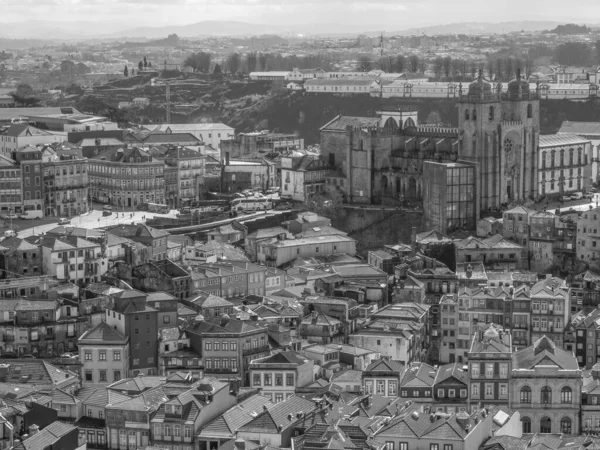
(525, 394)
(565, 425)
(526, 422)
(545, 425)
(491, 113)
(474, 114)
(566, 395)
(562, 157)
(543, 160)
(552, 158)
(571, 154)
(529, 111)
(546, 395)
(467, 114)
(579, 152)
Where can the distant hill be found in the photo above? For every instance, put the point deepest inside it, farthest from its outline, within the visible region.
(570, 29)
(205, 28)
(481, 28)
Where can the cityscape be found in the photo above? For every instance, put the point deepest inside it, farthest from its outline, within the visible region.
(266, 230)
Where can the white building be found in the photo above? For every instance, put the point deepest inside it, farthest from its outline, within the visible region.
(210, 133)
(21, 135)
(591, 132)
(303, 177)
(342, 85)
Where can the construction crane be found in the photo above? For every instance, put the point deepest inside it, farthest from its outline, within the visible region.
(167, 86)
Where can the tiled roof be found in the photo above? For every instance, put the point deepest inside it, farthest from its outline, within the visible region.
(62, 397)
(554, 140)
(347, 376)
(453, 370)
(93, 396)
(386, 365)
(544, 352)
(268, 421)
(419, 376)
(47, 437)
(235, 417)
(37, 372)
(286, 357)
(102, 334)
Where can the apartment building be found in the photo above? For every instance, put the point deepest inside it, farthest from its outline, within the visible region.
(154, 239)
(382, 377)
(228, 345)
(72, 258)
(494, 252)
(30, 159)
(417, 382)
(303, 177)
(133, 318)
(588, 238)
(17, 136)
(545, 388)
(10, 185)
(516, 224)
(183, 169)
(104, 355)
(451, 389)
(65, 183)
(229, 279)
(587, 337)
(276, 253)
(19, 258)
(126, 177)
(490, 366)
(280, 374)
(550, 309)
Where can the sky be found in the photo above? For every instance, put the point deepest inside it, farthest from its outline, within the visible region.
(113, 15)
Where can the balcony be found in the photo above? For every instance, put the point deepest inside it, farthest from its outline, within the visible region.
(521, 326)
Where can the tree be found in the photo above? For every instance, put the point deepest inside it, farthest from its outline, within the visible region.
(509, 64)
(132, 71)
(145, 62)
(364, 63)
(126, 72)
(262, 61)
(399, 64)
(572, 54)
(199, 62)
(25, 95)
(149, 64)
(251, 61)
(438, 65)
(234, 62)
(67, 67)
(447, 66)
(140, 66)
(82, 69)
(499, 68)
(74, 89)
(414, 63)
(217, 72)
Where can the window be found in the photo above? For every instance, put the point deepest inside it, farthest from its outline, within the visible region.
(380, 387)
(403, 446)
(88, 355)
(475, 391)
(256, 379)
(167, 430)
(489, 390)
(289, 379)
(278, 379)
(103, 375)
(392, 388)
(566, 395)
(525, 394)
(88, 375)
(116, 375)
(546, 396)
(389, 445)
(116, 355)
(475, 370)
(434, 447)
(208, 346)
(102, 355)
(267, 381)
(448, 447)
(440, 392)
(187, 431)
(545, 425)
(565, 425)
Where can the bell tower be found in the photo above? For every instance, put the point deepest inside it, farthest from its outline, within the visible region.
(480, 115)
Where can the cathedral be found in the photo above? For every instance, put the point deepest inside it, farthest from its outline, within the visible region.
(380, 160)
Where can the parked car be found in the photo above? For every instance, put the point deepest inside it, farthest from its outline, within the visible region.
(589, 195)
(577, 196)
(12, 216)
(565, 198)
(69, 355)
(64, 221)
(10, 233)
(27, 357)
(31, 214)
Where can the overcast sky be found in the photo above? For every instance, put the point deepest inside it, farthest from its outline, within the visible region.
(362, 14)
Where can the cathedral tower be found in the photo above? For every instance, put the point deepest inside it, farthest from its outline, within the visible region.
(499, 132)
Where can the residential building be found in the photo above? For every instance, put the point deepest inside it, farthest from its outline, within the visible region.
(488, 226)
(10, 185)
(307, 220)
(126, 177)
(65, 183)
(224, 428)
(240, 174)
(542, 234)
(382, 377)
(591, 132)
(247, 144)
(280, 374)
(564, 164)
(104, 354)
(209, 133)
(451, 389)
(383, 260)
(163, 276)
(166, 305)
(227, 234)
(154, 239)
(133, 318)
(588, 246)
(227, 345)
(277, 253)
(17, 136)
(587, 333)
(495, 252)
(550, 309)
(183, 168)
(178, 420)
(56, 435)
(73, 258)
(449, 351)
(30, 159)
(303, 177)
(490, 366)
(321, 328)
(252, 240)
(515, 224)
(19, 258)
(590, 401)
(417, 383)
(229, 278)
(439, 431)
(545, 387)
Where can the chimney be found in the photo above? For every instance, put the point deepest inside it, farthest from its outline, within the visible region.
(234, 386)
(33, 429)
(413, 241)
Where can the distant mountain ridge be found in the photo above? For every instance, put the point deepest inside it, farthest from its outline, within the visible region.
(83, 31)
